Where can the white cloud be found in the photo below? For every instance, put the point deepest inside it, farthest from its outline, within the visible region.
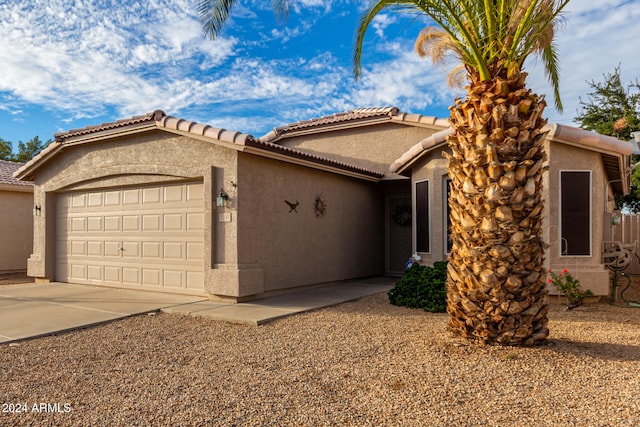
(113, 59)
(596, 37)
(83, 56)
(381, 22)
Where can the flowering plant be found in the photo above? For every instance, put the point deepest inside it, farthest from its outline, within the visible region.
(569, 286)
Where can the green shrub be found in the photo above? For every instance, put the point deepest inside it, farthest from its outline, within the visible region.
(422, 287)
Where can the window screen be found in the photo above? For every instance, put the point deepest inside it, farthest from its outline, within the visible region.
(575, 212)
(422, 216)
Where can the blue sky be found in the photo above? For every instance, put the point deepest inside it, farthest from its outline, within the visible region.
(72, 63)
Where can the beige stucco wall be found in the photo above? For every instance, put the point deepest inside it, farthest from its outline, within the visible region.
(588, 269)
(253, 245)
(16, 227)
(374, 147)
(153, 157)
(298, 248)
(433, 167)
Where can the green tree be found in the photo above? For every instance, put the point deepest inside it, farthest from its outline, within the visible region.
(27, 150)
(6, 149)
(611, 108)
(496, 290)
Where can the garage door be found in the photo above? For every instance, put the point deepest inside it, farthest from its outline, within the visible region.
(149, 237)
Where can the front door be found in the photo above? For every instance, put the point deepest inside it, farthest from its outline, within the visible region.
(398, 233)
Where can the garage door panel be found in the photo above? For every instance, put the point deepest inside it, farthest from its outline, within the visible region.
(150, 237)
(130, 197)
(112, 274)
(94, 223)
(112, 249)
(78, 271)
(111, 223)
(130, 223)
(94, 199)
(151, 222)
(94, 248)
(172, 250)
(173, 222)
(151, 277)
(94, 272)
(130, 249)
(173, 278)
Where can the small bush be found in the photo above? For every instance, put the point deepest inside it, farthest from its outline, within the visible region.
(422, 287)
(569, 286)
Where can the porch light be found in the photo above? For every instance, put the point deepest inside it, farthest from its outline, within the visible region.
(37, 210)
(221, 200)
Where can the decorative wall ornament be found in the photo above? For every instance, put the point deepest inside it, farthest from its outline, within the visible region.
(293, 207)
(402, 214)
(320, 206)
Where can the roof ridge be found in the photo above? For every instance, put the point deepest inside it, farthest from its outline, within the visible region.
(152, 116)
(354, 115)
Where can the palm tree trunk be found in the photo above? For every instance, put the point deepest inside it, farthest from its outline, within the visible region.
(496, 288)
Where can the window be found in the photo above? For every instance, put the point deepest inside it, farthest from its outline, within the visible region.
(447, 221)
(575, 213)
(422, 216)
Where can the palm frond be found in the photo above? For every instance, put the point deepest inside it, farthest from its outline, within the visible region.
(213, 15)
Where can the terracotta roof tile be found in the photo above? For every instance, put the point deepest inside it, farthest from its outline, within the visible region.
(6, 173)
(161, 121)
(355, 117)
(351, 117)
(149, 117)
(291, 152)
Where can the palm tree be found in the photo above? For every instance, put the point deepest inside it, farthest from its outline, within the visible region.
(496, 288)
(215, 13)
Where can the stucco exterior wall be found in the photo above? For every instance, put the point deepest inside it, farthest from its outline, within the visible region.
(153, 157)
(374, 147)
(296, 247)
(16, 228)
(588, 269)
(433, 167)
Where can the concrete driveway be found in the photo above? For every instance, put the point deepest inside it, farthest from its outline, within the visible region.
(30, 310)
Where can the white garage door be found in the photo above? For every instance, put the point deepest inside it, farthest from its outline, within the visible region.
(149, 237)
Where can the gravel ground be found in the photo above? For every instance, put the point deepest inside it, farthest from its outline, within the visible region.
(360, 363)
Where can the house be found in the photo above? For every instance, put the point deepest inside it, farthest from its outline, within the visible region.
(16, 224)
(585, 171)
(160, 203)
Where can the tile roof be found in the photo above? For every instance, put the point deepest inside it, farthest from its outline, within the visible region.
(147, 118)
(352, 118)
(303, 155)
(159, 120)
(6, 174)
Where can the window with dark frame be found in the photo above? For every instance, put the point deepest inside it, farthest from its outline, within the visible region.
(447, 187)
(575, 213)
(422, 216)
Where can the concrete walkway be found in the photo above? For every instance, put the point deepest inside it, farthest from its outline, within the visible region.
(30, 310)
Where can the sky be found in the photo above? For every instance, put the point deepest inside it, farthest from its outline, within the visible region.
(67, 64)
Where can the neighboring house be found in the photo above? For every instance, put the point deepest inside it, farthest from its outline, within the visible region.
(16, 219)
(160, 203)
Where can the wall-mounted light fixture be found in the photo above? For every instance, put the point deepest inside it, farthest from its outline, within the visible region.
(37, 210)
(221, 200)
